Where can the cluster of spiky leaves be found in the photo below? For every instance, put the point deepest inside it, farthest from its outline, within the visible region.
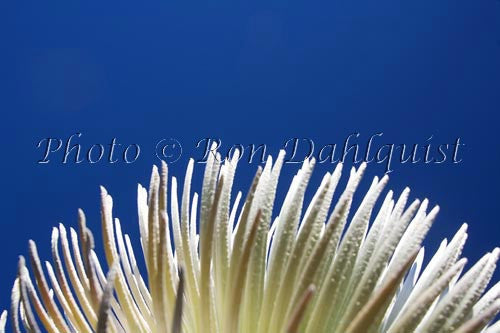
(307, 270)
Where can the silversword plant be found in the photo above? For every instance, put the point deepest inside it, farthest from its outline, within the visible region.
(214, 264)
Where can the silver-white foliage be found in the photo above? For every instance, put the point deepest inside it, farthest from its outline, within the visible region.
(315, 267)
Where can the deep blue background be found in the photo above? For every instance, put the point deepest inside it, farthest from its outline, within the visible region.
(246, 72)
